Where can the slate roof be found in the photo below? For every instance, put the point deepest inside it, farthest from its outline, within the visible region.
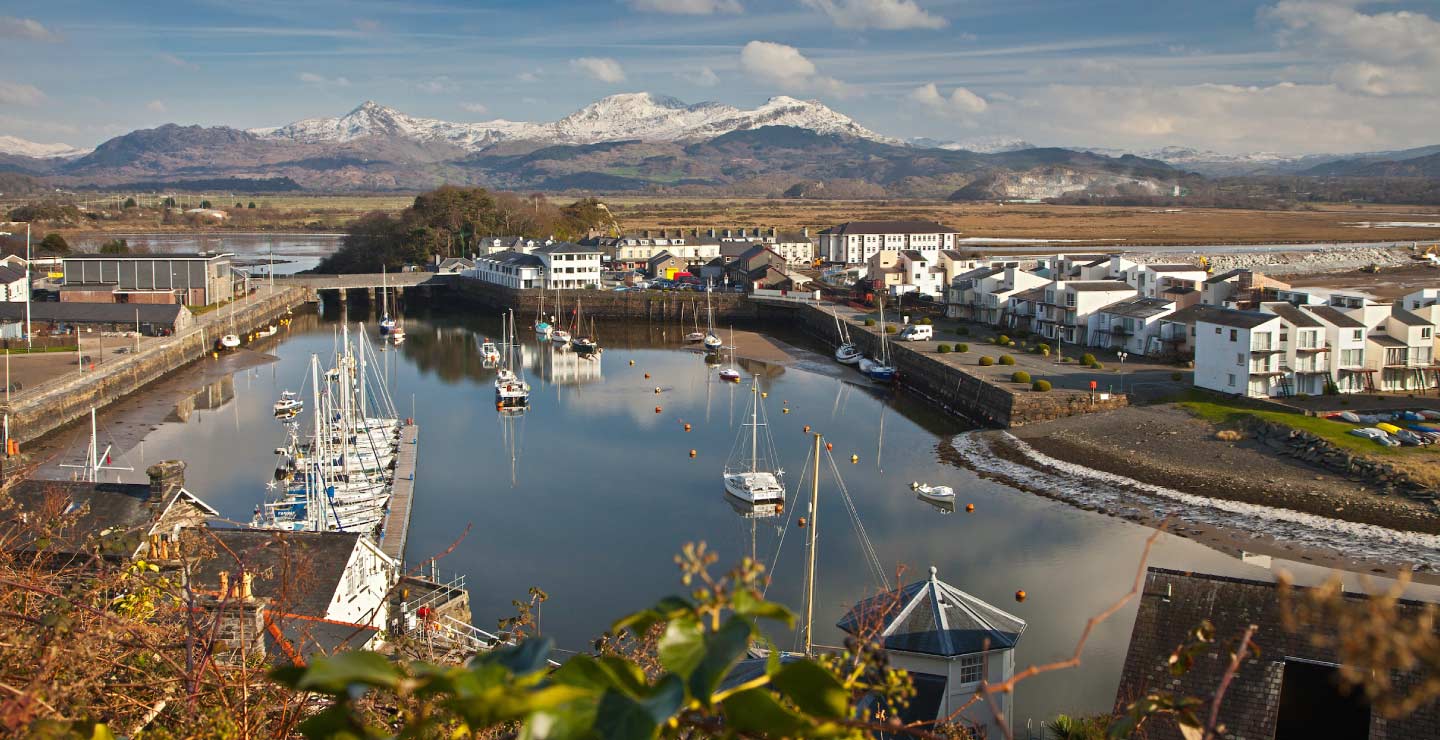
(1030, 294)
(107, 507)
(1407, 318)
(298, 572)
(1139, 308)
(889, 227)
(455, 262)
(1385, 340)
(10, 274)
(1097, 285)
(1335, 316)
(1293, 315)
(913, 254)
(513, 258)
(953, 254)
(150, 256)
(74, 312)
(1238, 319)
(935, 618)
(1177, 267)
(566, 248)
(308, 636)
(1192, 314)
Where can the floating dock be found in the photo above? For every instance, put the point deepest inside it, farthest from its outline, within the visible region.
(402, 495)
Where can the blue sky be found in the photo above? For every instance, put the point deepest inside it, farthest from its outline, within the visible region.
(1231, 75)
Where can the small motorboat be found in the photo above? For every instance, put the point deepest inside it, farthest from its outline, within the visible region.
(268, 331)
(560, 338)
(489, 352)
(694, 337)
(397, 335)
(289, 406)
(848, 354)
(230, 341)
(730, 375)
(543, 329)
(936, 493)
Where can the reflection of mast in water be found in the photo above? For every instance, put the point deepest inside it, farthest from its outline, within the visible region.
(880, 442)
(512, 429)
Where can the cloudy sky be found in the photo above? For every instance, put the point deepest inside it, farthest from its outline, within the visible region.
(1229, 75)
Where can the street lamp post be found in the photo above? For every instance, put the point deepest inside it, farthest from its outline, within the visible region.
(1122, 354)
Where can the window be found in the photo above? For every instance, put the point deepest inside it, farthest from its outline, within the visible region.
(1351, 357)
(1425, 333)
(1230, 379)
(1217, 332)
(1234, 335)
(1070, 299)
(1358, 334)
(972, 669)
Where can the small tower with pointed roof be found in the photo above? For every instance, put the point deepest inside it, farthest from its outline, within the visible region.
(949, 641)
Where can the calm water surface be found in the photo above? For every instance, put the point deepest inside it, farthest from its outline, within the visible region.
(591, 492)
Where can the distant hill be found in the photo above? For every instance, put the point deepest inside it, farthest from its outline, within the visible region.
(1426, 166)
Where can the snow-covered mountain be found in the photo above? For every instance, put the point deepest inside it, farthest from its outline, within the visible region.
(21, 147)
(980, 145)
(618, 117)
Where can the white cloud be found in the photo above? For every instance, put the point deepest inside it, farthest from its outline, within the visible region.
(786, 68)
(603, 69)
(1375, 54)
(702, 77)
(441, 84)
(25, 28)
(885, 15)
(960, 103)
(175, 61)
(529, 76)
(688, 7)
(15, 93)
(479, 108)
(157, 106)
(310, 78)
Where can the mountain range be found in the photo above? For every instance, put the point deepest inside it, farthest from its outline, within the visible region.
(640, 141)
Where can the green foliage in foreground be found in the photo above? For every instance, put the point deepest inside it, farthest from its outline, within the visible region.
(613, 695)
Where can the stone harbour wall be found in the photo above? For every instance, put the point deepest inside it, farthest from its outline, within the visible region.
(651, 305)
(1314, 450)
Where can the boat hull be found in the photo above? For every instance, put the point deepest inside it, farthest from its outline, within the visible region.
(755, 488)
(848, 354)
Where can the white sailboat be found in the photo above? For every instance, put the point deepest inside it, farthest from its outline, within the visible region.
(386, 323)
(542, 327)
(752, 482)
(731, 373)
(697, 336)
(847, 353)
(511, 390)
(712, 340)
(584, 342)
(230, 340)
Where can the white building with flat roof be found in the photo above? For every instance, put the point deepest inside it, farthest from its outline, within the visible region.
(855, 242)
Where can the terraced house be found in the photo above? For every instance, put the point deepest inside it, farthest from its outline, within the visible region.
(855, 242)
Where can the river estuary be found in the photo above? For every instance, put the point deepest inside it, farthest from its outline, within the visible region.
(590, 493)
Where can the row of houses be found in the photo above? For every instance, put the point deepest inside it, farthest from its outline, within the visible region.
(1247, 333)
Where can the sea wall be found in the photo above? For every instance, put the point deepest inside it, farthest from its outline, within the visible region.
(45, 408)
(651, 305)
(1314, 450)
(941, 379)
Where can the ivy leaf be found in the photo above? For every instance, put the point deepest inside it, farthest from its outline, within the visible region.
(619, 717)
(600, 674)
(668, 608)
(335, 674)
(682, 646)
(527, 657)
(815, 690)
(745, 603)
(756, 711)
(722, 650)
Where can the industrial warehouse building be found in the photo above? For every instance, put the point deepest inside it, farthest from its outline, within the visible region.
(188, 279)
(150, 319)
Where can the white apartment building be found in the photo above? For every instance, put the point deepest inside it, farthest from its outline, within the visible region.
(1420, 300)
(1152, 280)
(1345, 336)
(796, 247)
(1305, 356)
(634, 251)
(1065, 311)
(1238, 352)
(510, 269)
(1402, 349)
(855, 242)
(523, 244)
(984, 294)
(1131, 325)
(569, 266)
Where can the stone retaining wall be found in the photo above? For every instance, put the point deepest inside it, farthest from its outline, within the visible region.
(46, 408)
(952, 387)
(1317, 451)
(651, 305)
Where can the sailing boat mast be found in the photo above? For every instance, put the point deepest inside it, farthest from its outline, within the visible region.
(315, 468)
(810, 565)
(754, 425)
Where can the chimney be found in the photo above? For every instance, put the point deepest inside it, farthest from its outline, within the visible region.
(772, 232)
(166, 477)
(805, 231)
(224, 584)
(727, 233)
(645, 233)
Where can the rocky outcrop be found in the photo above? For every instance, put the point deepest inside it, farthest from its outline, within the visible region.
(1314, 450)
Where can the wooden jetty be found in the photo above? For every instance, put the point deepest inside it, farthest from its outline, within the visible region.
(397, 519)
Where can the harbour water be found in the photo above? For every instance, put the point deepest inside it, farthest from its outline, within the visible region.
(590, 493)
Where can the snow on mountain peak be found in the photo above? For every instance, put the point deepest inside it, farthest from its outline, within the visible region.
(23, 148)
(639, 115)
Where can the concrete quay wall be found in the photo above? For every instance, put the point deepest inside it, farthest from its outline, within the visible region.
(48, 407)
(651, 305)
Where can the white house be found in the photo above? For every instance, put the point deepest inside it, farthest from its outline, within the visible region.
(855, 242)
(634, 251)
(509, 268)
(13, 285)
(569, 266)
(1131, 325)
(984, 294)
(1151, 280)
(523, 244)
(1306, 357)
(1067, 307)
(1241, 289)
(1345, 337)
(949, 642)
(1402, 349)
(1421, 299)
(1238, 352)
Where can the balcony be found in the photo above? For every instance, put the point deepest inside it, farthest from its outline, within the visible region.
(1120, 330)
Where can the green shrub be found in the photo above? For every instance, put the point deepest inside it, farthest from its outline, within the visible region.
(1087, 359)
(1042, 348)
(1331, 389)
(963, 331)
(890, 329)
(1002, 340)
(943, 349)
(1007, 360)
(1040, 385)
(987, 361)
(962, 347)
(1019, 376)
(1097, 365)
(925, 321)
(869, 322)
(1177, 376)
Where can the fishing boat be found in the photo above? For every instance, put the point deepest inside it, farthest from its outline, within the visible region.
(583, 342)
(879, 368)
(289, 406)
(752, 482)
(935, 493)
(386, 323)
(511, 390)
(489, 352)
(711, 339)
(847, 353)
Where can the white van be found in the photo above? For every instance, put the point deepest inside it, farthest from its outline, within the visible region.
(918, 333)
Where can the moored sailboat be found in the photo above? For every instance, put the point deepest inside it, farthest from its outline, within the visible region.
(757, 480)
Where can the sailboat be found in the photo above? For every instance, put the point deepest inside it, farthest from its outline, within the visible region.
(558, 336)
(510, 387)
(96, 460)
(542, 327)
(879, 369)
(230, 340)
(584, 342)
(697, 336)
(752, 483)
(711, 340)
(386, 323)
(731, 374)
(847, 353)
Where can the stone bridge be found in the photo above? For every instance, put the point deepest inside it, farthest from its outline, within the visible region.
(369, 282)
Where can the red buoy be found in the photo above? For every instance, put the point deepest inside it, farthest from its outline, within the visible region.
(969, 508)
(1020, 595)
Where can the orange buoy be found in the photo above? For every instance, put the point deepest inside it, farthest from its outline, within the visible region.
(632, 363)
(802, 522)
(829, 447)
(687, 427)
(499, 406)
(647, 376)
(784, 411)
(657, 409)
(1020, 595)
(854, 458)
(807, 428)
(969, 508)
(692, 453)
